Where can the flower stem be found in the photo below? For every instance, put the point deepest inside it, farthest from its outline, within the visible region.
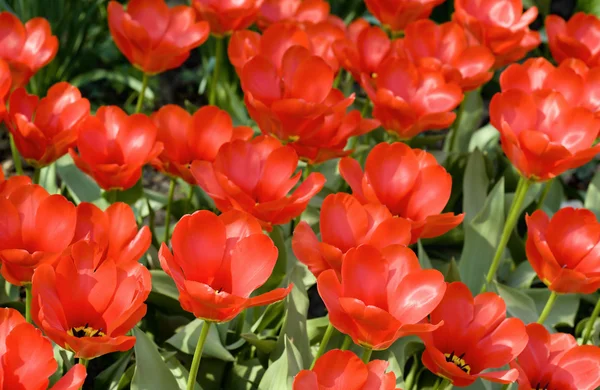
(36, 175)
(219, 46)
(366, 356)
(441, 384)
(347, 343)
(140, 100)
(16, 156)
(509, 225)
(410, 377)
(547, 308)
(544, 194)
(323, 345)
(84, 362)
(28, 300)
(589, 327)
(198, 355)
(168, 216)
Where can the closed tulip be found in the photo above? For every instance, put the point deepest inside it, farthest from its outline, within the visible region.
(397, 14)
(575, 38)
(225, 17)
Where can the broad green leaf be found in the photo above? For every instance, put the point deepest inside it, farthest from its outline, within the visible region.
(245, 375)
(468, 119)
(316, 328)
(164, 292)
(263, 345)
(484, 139)
(522, 276)
(103, 74)
(423, 258)
(555, 197)
(82, 188)
(48, 178)
(110, 377)
(518, 303)
(280, 374)
(453, 272)
(186, 340)
(179, 372)
(482, 235)
(564, 309)
(151, 372)
(475, 185)
(592, 197)
(399, 353)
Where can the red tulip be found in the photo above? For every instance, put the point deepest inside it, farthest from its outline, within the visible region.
(565, 250)
(501, 25)
(409, 182)
(299, 11)
(153, 37)
(397, 14)
(577, 38)
(37, 227)
(446, 48)
(227, 16)
(344, 370)
(44, 130)
(87, 302)
(409, 100)
(26, 48)
(346, 224)
(5, 86)
(27, 358)
(115, 231)
(7, 186)
(218, 261)
(542, 134)
(256, 176)
(383, 295)
(322, 36)
(113, 147)
(476, 336)
(555, 361)
(192, 137)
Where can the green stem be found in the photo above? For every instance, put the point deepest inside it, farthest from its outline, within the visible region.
(197, 356)
(219, 46)
(84, 362)
(140, 100)
(168, 216)
(366, 356)
(323, 345)
(347, 343)
(16, 156)
(441, 384)
(189, 206)
(410, 378)
(36, 175)
(28, 300)
(111, 196)
(511, 221)
(547, 308)
(544, 194)
(587, 333)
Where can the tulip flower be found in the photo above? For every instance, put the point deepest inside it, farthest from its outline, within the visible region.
(409, 100)
(115, 231)
(395, 15)
(256, 176)
(323, 36)
(37, 227)
(345, 224)
(446, 48)
(218, 261)
(113, 147)
(409, 182)
(555, 361)
(187, 138)
(576, 38)
(154, 37)
(476, 337)
(501, 25)
(27, 358)
(542, 134)
(564, 250)
(87, 302)
(383, 295)
(344, 370)
(45, 130)
(225, 17)
(7, 186)
(5, 87)
(26, 48)
(297, 11)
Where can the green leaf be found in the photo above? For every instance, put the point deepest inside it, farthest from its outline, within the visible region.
(518, 303)
(485, 139)
(522, 276)
(399, 353)
(112, 75)
(589, 6)
(151, 372)
(423, 258)
(482, 235)
(453, 272)
(245, 375)
(564, 309)
(186, 340)
(280, 374)
(475, 185)
(82, 188)
(179, 372)
(164, 292)
(592, 197)
(110, 377)
(48, 178)
(470, 114)
(264, 345)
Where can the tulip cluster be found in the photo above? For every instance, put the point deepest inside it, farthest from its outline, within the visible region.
(86, 268)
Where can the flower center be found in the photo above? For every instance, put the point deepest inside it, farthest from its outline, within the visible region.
(542, 387)
(85, 331)
(459, 361)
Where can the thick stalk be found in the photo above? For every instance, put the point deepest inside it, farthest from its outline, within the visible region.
(15, 156)
(509, 225)
(140, 100)
(366, 356)
(168, 216)
(219, 46)
(412, 374)
(589, 327)
(347, 343)
(28, 300)
(547, 308)
(198, 355)
(323, 345)
(544, 194)
(36, 175)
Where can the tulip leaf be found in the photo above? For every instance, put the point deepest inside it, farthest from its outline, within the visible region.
(564, 309)
(151, 372)
(164, 293)
(186, 339)
(81, 187)
(475, 185)
(264, 345)
(281, 372)
(399, 353)
(468, 120)
(48, 179)
(423, 258)
(485, 139)
(518, 303)
(179, 372)
(482, 235)
(245, 375)
(592, 197)
(589, 7)
(110, 377)
(453, 272)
